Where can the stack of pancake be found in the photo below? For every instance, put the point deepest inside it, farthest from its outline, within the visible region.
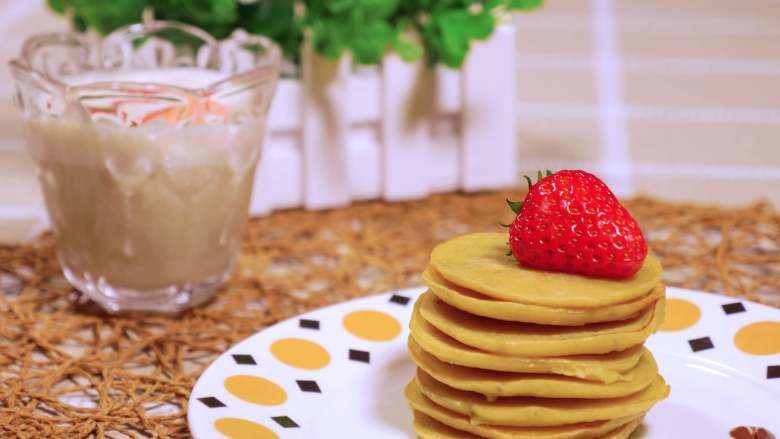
(507, 352)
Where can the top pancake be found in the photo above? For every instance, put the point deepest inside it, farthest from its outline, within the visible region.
(479, 262)
(478, 304)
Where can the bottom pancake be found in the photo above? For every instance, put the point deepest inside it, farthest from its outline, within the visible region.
(429, 428)
(422, 404)
(539, 412)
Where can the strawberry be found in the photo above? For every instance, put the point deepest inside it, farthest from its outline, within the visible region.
(571, 222)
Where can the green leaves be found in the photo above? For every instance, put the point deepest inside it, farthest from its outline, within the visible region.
(100, 15)
(370, 42)
(455, 35)
(525, 4)
(275, 19)
(58, 6)
(217, 17)
(408, 50)
(456, 28)
(366, 28)
(378, 9)
(340, 6)
(449, 27)
(363, 27)
(268, 17)
(481, 25)
(328, 39)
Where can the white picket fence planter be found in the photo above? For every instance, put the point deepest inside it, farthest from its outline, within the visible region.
(397, 132)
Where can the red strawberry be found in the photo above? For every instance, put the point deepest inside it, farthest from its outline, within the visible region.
(571, 222)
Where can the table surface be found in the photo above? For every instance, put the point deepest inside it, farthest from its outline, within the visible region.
(68, 370)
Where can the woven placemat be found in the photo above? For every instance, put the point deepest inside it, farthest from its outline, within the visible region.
(68, 370)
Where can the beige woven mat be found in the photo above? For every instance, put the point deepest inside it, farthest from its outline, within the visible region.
(68, 370)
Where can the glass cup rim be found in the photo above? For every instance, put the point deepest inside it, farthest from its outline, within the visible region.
(264, 71)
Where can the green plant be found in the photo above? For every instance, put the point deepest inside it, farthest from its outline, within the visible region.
(442, 29)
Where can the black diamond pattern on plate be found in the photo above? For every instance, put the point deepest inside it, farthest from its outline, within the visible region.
(285, 422)
(733, 308)
(309, 324)
(245, 359)
(211, 402)
(701, 344)
(362, 356)
(773, 372)
(309, 386)
(400, 300)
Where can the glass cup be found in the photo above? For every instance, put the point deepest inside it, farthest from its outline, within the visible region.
(146, 144)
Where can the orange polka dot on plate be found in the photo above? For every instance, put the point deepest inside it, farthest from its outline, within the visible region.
(372, 325)
(300, 353)
(680, 314)
(256, 390)
(759, 338)
(236, 428)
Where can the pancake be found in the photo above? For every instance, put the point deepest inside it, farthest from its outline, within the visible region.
(481, 305)
(494, 384)
(429, 428)
(625, 431)
(531, 340)
(423, 405)
(539, 412)
(479, 263)
(607, 368)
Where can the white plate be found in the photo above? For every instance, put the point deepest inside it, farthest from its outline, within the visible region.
(716, 386)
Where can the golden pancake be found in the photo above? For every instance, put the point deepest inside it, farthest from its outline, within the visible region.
(539, 412)
(625, 431)
(479, 263)
(429, 428)
(607, 368)
(531, 340)
(481, 305)
(421, 404)
(494, 384)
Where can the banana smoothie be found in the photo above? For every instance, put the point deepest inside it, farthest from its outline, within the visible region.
(152, 207)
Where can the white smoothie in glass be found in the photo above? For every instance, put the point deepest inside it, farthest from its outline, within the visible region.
(146, 142)
(153, 205)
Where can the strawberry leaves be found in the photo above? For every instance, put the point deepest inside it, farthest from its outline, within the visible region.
(514, 205)
(517, 206)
